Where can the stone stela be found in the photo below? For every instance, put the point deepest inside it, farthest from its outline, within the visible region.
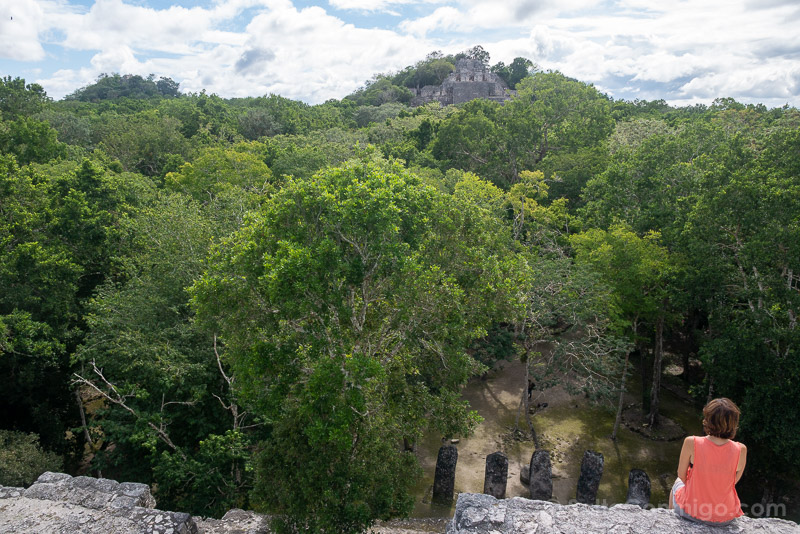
(538, 478)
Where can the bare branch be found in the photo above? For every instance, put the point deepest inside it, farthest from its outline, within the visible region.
(119, 400)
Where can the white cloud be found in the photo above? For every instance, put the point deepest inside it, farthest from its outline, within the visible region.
(174, 30)
(366, 5)
(315, 56)
(479, 16)
(682, 50)
(443, 19)
(22, 24)
(378, 5)
(304, 54)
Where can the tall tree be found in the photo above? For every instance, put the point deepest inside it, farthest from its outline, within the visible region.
(550, 114)
(639, 270)
(18, 99)
(346, 307)
(743, 236)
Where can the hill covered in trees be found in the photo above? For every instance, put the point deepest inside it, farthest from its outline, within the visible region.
(250, 302)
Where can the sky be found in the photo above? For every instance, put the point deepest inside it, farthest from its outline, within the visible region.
(685, 52)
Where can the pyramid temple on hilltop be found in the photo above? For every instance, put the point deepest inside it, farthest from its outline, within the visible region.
(470, 80)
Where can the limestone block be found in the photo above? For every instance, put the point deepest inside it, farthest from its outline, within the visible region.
(496, 475)
(589, 480)
(483, 514)
(638, 488)
(541, 476)
(444, 479)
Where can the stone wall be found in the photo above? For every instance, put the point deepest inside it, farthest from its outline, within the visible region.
(59, 503)
(469, 80)
(483, 514)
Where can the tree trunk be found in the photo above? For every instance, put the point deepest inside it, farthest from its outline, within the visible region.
(685, 363)
(526, 399)
(524, 404)
(86, 433)
(621, 397)
(644, 359)
(658, 356)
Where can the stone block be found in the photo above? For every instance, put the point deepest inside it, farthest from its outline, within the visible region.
(444, 479)
(638, 488)
(496, 475)
(541, 476)
(589, 480)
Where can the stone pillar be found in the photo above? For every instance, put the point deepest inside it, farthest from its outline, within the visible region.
(444, 480)
(494, 482)
(541, 476)
(638, 488)
(591, 473)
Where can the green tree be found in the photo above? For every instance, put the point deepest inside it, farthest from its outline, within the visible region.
(346, 306)
(30, 141)
(639, 271)
(742, 237)
(557, 303)
(217, 171)
(18, 99)
(550, 114)
(168, 417)
(380, 90)
(115, 86)
(513, 73)
(476, 52)
(144, 142)
(22, 459)
(568, 309)
(58, 225)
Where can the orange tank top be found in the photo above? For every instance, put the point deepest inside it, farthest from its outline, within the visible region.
(710, 490)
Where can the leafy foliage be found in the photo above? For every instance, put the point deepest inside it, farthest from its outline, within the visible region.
(111, 87)
(18, 99)
(22, 459)
(344, 297)
(347, 309)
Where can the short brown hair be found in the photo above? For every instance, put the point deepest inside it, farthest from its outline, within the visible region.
(721, 418)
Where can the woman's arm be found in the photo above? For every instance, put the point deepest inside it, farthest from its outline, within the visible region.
(687, 454)
(742, 461)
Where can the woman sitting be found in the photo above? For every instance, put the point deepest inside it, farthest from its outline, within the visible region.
(709, 468)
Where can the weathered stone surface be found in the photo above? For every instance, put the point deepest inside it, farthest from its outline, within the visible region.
(541, 476)
(236, 521)
(589, 481)
(444, 480)
(638, 488)
(483, 514)
(59, 503)
(94, 493)
(410, 526)
(470, 80)
(7, 492)
(496, 475)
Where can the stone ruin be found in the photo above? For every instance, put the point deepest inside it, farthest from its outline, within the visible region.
(60, 504)
(470, 80)
(484, 514)
(487, 514)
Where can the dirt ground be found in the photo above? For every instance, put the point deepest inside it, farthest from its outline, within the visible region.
(567, 427)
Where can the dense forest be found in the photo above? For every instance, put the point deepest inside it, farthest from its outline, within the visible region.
(259, 303)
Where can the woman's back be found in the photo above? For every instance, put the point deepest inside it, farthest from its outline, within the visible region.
(710, 491)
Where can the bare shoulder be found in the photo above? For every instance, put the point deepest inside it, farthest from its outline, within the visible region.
(742, 447)
(689, 440)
